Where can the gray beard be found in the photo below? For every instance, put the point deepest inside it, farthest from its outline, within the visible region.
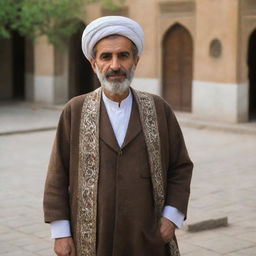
(115, 87)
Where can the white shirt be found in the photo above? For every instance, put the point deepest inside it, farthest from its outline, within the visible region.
(119, 116)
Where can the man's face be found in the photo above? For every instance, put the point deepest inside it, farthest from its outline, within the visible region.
(114, 63)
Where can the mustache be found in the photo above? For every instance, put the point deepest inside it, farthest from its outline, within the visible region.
(116, 72)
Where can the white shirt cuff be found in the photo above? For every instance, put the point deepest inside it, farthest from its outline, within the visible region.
(60, 228)
(174, 215)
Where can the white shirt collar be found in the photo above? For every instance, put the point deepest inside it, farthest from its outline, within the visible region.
(116, 105)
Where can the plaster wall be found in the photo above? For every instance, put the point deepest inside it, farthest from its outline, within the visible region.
(216, 19)
(43, 71)
(220, 101)
(49, 82)
(61, 87)
(44, 54)
(218, 93)
(151, 85)
(145, 14)
(29, 70)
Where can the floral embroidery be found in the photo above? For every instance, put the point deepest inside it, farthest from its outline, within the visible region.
(150, 128)
(88, 173)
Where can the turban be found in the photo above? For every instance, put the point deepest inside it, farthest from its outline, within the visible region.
(109, 25)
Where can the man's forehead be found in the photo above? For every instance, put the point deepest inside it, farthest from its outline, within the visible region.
(114, 43)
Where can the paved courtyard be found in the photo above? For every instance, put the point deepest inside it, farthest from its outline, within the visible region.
(224, 184)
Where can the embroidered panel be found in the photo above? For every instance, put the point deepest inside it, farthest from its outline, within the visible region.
(150, 127)
(173, 248)
(88, 175)
(151, 132)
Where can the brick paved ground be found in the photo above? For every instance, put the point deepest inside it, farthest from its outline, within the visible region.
(23, 166)
(224, 184)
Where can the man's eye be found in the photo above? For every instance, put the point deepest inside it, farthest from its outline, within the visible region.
(105, 56)
(124, 55)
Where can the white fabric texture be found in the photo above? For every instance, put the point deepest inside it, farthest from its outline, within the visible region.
(60, 228)
(174, 215)
(119, 115)
(109, 25)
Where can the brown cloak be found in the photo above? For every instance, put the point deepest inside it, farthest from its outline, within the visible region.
(114, 196)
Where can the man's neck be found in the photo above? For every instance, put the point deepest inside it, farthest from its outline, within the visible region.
(116, 97)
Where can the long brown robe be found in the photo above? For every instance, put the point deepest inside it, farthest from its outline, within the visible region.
(127, 223)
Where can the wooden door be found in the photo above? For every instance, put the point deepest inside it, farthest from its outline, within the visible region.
(178, 68)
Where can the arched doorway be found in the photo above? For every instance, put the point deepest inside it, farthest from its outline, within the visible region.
(81, 76)
(252, 75)
(18, 66)
(178, 68)
(12, 67)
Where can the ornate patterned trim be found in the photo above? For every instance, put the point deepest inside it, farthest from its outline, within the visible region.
(88, 173)
(173, 248)
(149, 122)
(150, 127)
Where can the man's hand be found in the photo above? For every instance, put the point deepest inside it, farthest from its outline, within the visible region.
(64, 246)
(167, 229)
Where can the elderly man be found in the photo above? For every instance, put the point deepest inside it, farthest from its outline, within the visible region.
(119, 174)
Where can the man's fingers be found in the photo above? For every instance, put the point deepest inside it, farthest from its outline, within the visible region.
(73, 251)
(167, 229)
(164, 228)
(64, 246)
(62, 252)
(167, 236)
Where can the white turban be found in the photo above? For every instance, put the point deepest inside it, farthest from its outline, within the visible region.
(109, 25)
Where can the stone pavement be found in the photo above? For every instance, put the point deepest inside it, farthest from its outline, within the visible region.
(224, 183)
(25, 117)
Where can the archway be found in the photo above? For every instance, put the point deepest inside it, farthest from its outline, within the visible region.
(178, 68)
(81, 76)
(252, 75)
(12, 66)
(18, 66)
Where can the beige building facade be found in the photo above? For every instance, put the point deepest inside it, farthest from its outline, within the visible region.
(200, 55)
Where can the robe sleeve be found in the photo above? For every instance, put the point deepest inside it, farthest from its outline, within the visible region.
(56, 193)
(180, 167)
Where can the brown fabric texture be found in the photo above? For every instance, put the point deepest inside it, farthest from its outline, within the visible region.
(126, 221)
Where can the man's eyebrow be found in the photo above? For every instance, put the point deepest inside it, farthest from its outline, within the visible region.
(105, 54)
(124, 52)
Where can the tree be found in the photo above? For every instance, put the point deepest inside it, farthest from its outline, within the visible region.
(8, 13)
(57, 19)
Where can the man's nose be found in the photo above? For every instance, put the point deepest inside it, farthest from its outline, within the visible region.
(115, 63)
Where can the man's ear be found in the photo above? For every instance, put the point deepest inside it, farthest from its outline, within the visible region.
(136, 60)
(93, 64)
